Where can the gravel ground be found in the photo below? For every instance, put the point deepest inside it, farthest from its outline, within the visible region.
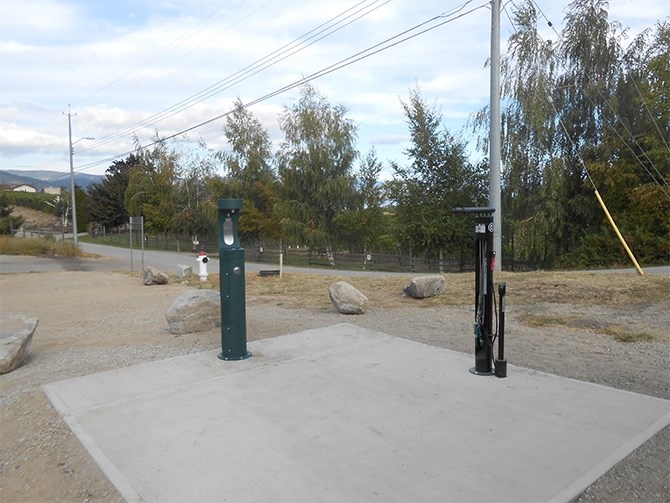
(91, 321)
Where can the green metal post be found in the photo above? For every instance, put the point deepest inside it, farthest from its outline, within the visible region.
(231, 283)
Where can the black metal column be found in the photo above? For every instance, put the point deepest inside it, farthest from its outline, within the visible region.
(484, 263)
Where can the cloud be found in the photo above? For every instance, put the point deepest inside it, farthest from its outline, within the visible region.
(391, 139)
(122, 62)
(16, 141)
(38, 19)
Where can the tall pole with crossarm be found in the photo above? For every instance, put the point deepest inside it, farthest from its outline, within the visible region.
(494, 132)
(74, 198)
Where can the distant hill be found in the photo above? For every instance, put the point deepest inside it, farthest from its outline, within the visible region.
(40, 179)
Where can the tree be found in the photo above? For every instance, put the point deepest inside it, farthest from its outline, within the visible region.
(578, 116)
(315, 169)
(363, 227)
(249, 159)
(635, 179)
(250, 174)
(589, 54)
(8, 223)
(151, 189)
(107, 198)
(439, 178)
(195, 202)
(529, 132)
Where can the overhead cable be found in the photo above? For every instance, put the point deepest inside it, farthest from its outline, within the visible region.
(375, 49)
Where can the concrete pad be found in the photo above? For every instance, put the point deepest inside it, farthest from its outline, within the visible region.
(348, 414)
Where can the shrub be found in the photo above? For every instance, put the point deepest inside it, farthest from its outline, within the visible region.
(38, 247)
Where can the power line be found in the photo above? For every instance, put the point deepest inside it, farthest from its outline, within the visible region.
(622, 240)
(609, 105)
(331, 26)
(616, 116)
(375, 49)
(644, 102)
(175, 44)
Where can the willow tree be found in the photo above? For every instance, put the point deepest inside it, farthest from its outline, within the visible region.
(315, 169)
(529, 146)
(635, 180)
(560, 106)
(194, 197)
(590, 55)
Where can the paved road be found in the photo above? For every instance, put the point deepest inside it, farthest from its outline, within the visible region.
(111, 258)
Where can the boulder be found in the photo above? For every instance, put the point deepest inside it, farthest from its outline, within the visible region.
(153, 276)
(16, 334)
(346, 298)
(184, 271)
(422, 287)
(195, 311)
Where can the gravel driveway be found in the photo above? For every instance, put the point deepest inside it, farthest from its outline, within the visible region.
(95, 321)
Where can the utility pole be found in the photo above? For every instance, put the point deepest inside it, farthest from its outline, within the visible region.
(494, 132)
(74, 199)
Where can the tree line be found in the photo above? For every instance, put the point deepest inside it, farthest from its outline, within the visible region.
(585, 112)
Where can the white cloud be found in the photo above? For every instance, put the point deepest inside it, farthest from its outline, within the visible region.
(24, 20)
(16, 140)
(119, 63)
(391, 139)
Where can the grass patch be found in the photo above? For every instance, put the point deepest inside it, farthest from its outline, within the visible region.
(622, 335)
(580, 288)
(584, 288)
(311, 290)
(639, 337)
(542, 320)
(38, 247)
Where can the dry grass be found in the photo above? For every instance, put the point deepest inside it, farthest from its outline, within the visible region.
(582, 288)
(623, 335)
(34, 219)
(586, 288)
(38, 247)
(620, 333)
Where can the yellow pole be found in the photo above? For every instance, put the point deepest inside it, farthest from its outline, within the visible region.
(623, 241)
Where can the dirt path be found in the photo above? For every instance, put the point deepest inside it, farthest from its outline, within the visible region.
(93, 321)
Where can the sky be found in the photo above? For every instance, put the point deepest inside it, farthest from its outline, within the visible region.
(137, 68)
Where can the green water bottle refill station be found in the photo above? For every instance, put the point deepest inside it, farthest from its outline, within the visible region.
(231, 283)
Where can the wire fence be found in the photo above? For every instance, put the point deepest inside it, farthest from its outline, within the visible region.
(302, 256)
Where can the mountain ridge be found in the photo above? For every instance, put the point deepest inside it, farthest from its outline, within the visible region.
(41, 179)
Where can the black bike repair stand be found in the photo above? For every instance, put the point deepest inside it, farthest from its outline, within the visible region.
(484, 265)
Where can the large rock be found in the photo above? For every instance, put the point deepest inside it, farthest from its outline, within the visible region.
(195, 311)
(16, 334)
(153, 276)
(346, 298)
(425, 286)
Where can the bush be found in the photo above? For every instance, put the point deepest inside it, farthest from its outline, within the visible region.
(34, 200)
(38, 247)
